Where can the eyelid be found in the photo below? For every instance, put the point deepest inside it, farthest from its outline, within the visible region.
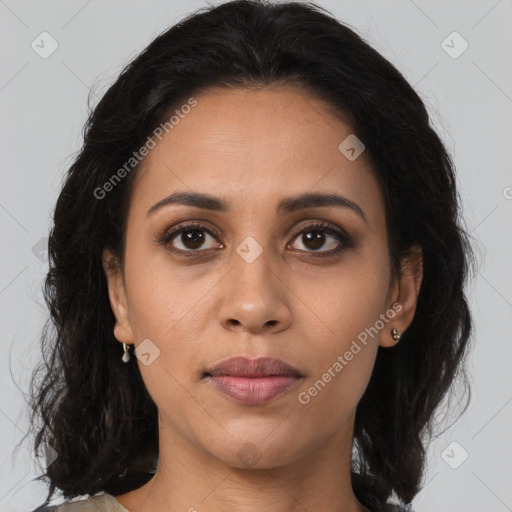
(319, 224)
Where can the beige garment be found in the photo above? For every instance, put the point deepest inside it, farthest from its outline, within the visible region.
(101, 502)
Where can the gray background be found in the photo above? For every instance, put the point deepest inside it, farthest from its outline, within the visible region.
(44, 104)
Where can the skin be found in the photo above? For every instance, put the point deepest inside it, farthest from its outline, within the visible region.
(252, 148)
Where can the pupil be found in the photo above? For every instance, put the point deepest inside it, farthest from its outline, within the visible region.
(316, 242)
(194, 237)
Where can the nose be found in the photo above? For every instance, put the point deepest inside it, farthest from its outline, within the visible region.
(254, 297)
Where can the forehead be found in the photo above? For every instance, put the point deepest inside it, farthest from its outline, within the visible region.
(255, 147)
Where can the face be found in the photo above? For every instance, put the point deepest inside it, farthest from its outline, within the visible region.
(302, 283)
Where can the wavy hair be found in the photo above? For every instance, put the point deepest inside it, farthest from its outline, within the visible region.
(94, 410)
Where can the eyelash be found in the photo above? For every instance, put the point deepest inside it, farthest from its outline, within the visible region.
(327, 227)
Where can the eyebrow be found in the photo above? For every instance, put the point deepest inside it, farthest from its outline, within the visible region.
(286, 205)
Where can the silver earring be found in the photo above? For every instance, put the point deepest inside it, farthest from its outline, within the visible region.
(126, 355)
(396, 334)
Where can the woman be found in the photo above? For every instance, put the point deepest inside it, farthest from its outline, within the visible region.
(261, 209)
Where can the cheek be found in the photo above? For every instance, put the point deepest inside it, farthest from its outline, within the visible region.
(346, 301)
(343, 357)
(346, 309)
(166, 310)
(162, 297)
(170, 305)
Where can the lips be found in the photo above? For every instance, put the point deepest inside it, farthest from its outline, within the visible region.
(259, 367)
(253, 381)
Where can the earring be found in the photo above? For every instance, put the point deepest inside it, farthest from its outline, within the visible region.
(396, 334)
(126, 355)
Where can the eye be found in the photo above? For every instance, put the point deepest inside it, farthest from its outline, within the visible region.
(188, 238)
(191, 238)
(313, 237)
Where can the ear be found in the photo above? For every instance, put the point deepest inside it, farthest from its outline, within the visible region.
(117, 295)
(405, 293)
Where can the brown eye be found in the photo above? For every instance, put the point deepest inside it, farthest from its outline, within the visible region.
(315, 239)
(322, 239)
(192, 239)
(189, 238)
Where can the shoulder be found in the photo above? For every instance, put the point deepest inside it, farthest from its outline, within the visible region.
(98, 503)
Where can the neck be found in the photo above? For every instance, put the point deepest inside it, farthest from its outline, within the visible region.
(189, 478)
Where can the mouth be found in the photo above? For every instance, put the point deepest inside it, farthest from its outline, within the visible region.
(256, 368)
(253, 381)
